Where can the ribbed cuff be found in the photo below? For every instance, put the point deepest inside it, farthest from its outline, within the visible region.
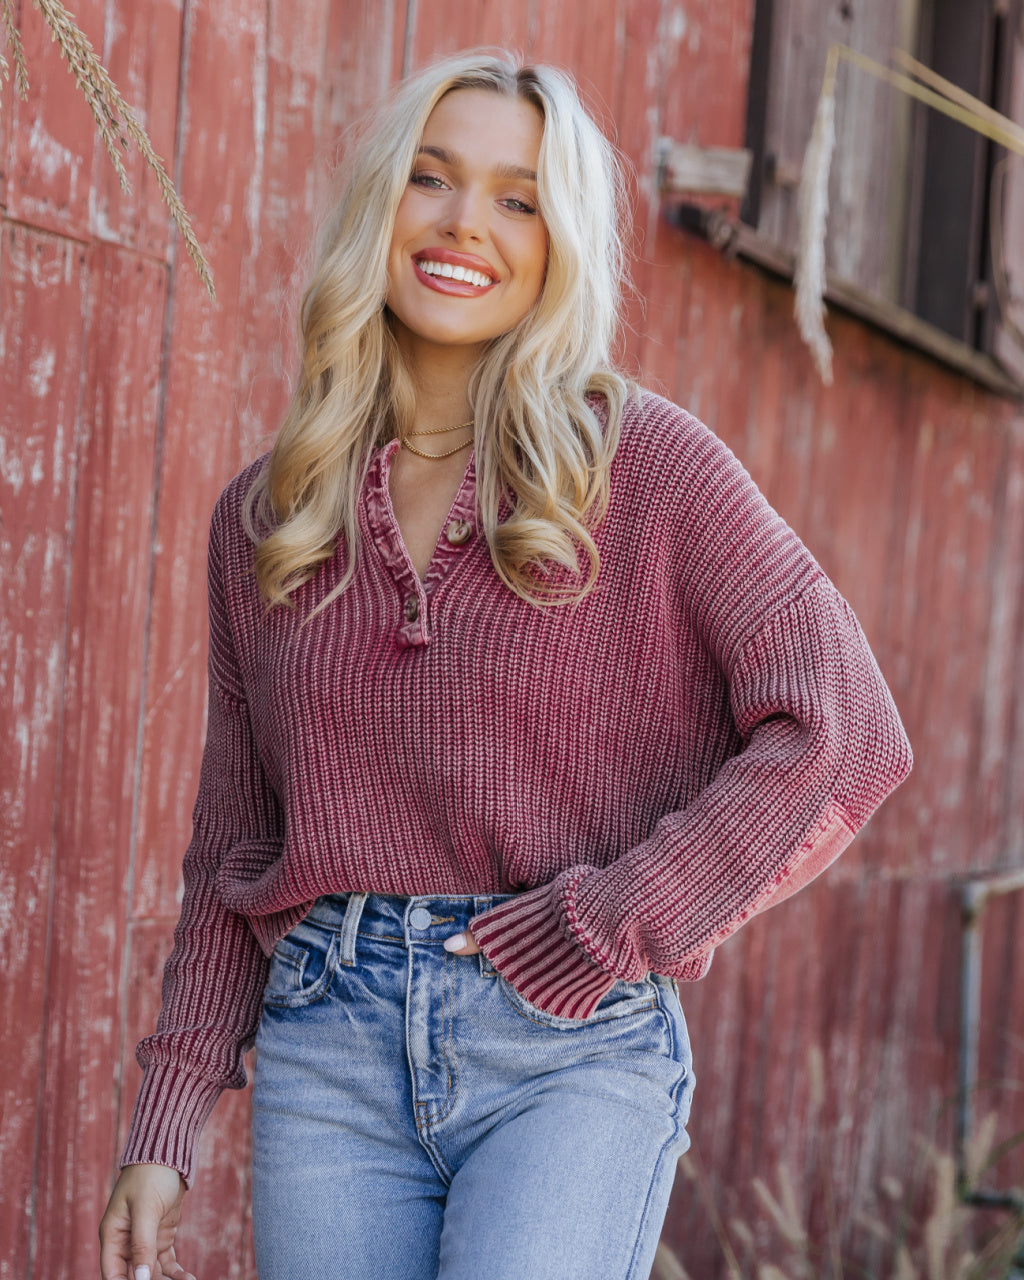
(522, 939)
(169, 1115)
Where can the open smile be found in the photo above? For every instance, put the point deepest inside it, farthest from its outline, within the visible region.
(452, 273)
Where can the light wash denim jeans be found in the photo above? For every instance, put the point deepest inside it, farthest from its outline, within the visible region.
(416, 1119)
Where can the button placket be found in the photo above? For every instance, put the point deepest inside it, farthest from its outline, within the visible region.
(414, 624)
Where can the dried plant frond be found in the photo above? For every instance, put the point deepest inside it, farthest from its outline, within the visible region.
(964, 1268)
(696, 1171)
(1004, 1148)
(687, 1168)
(742, 1232)
(940, 1244)
(891, 1187)
(979, 1148)
(873, 1226)
(942, 1226)
(904, 1268)
(816, 1076)
(999, 1251)
(13, 35)
(783, 1211)
(809, 276)
(117, 124)
(667, 1266)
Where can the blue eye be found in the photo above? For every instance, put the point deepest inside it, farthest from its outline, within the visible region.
(429, 180)
(519, 206)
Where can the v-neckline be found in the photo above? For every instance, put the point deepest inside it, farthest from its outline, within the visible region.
(448, 550)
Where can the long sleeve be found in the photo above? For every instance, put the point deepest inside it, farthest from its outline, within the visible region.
(213, 981)
(821, 747)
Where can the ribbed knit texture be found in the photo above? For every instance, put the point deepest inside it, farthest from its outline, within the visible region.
(645, 770)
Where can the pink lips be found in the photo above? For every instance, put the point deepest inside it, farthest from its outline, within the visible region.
(444, 284)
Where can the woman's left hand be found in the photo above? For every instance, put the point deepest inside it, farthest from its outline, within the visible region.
(462, 944)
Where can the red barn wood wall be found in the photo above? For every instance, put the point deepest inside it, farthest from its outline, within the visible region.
(825, 1035)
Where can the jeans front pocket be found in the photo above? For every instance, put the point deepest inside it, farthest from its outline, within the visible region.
(301, 967)
(621, 1000)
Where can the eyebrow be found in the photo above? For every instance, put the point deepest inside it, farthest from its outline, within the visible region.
(510, 172)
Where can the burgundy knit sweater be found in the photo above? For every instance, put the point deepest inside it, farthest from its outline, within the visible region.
(644, 770)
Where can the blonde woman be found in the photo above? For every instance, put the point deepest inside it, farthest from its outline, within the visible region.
(522, 699)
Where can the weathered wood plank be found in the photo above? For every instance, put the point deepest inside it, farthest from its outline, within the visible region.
(279, 223)
(997, 790)
(53, 135)
(445, 26)
(363, 54)
(708, 54)
(42, 300)
(1009, 345)
(200, 449)
(142, 52)
(590, 50)
(635, 101)
(107, 608)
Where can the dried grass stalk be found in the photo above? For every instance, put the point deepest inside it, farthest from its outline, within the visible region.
(904, 1266)
(667, 1266)
(10, 30)
(942, 1227)
(809, 276)
(116, 121)
(784, 1211)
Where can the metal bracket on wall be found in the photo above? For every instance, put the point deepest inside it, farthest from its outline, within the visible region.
(975, 894)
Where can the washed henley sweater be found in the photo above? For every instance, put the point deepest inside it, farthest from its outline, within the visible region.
(643, 770)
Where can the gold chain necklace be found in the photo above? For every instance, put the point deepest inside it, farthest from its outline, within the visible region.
(438, 431)
(435, 456)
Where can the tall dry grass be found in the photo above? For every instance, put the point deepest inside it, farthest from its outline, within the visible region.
(934, 1236)
(116, 122)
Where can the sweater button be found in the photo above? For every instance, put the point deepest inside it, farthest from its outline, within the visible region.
(412, 609)
(458, 532)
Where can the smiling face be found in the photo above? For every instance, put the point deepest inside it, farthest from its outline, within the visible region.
(469, 248)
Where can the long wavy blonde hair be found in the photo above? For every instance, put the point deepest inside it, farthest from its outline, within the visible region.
(540, 443)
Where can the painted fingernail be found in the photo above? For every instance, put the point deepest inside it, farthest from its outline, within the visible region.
(455, 943)
(142, 1273)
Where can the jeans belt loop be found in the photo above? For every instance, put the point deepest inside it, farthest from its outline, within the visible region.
(349, 926)
(480, 905)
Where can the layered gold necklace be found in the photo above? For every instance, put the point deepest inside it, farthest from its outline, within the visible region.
(437, 431)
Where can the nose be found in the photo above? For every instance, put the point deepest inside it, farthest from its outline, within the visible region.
(463, 217)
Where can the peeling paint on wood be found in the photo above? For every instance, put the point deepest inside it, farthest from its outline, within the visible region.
(42, 298)
(825, 1034)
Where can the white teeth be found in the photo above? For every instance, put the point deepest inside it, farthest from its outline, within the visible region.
(463, 274)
